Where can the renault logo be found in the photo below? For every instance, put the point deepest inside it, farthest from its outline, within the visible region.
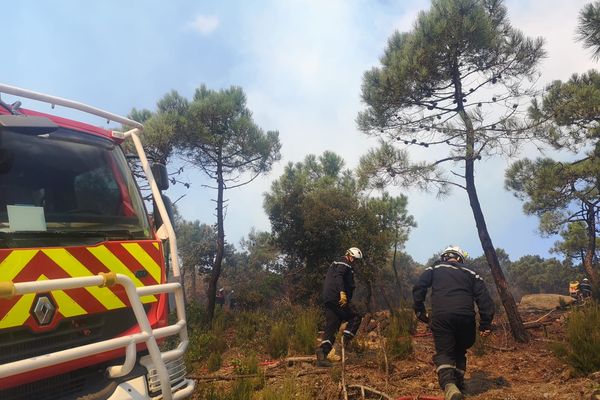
(44, 309)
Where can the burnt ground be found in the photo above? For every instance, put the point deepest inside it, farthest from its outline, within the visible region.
(499, 369)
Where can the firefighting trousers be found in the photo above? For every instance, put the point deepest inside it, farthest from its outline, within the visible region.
(334, 316)
(452, 336)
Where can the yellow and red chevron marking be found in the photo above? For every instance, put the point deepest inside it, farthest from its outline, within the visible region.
(128, 258)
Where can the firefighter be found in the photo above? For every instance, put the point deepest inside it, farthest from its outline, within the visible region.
(337, 300)
(220, 297)
(574, 291)
(585, 288)
(454, 289)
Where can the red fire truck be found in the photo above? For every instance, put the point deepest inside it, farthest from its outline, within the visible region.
(85, 273)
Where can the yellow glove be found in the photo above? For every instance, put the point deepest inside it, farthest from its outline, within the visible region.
(343, 299)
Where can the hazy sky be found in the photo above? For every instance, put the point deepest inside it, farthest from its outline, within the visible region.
(300, 63)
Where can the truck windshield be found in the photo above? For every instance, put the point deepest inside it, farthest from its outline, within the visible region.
(67, 182)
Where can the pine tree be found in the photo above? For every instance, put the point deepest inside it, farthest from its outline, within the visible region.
(457, 85)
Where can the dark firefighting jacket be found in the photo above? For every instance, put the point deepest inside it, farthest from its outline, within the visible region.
(339, 278)
(454, 290)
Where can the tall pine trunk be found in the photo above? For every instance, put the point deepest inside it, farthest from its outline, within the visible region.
(510, 306)
(216, 271)
(514, 318)
(590, 251)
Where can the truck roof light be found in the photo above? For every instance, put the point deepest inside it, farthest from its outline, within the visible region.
(32, 125)
(118, 135)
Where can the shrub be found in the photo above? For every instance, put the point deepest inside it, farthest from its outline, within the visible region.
(250, 326)
(584, 338)
(207, 392)
(278, 343)
(247, 365)
(219, 321)
(560, 350)
(397, 335)
(195, 314)
(305, 331)
(214, 362)
(289, 391)
(201, 345)
(241, 390)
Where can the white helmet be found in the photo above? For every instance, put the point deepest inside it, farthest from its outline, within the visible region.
(454, 252)
(585, 280)
(354, 252)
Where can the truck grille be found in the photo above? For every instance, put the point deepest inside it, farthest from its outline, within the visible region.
(21, 343)
(58, 387)
(86, 383)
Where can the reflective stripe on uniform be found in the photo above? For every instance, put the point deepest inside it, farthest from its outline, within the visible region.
(444, 366)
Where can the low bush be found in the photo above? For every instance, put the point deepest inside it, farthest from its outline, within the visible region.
(279, 338)
(289, 391)
(202, 345)
(214, 362)
(251, 327)
(398, 335)
(584, 338)
(246, 366)
(305, 331)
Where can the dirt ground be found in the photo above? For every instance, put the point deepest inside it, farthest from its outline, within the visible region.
(505, 371)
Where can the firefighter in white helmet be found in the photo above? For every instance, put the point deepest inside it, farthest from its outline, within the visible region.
(454, 290)
(337, 295)
(585, 288)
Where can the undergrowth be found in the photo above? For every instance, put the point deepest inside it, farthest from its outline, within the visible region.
(583, 336)
(398, 335)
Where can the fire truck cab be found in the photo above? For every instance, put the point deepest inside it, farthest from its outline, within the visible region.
(84, 288)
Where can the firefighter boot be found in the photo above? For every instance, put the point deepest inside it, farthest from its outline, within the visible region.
(451, 392)
(460, 380)
(332, 356)
(347, 339)
(322, 360)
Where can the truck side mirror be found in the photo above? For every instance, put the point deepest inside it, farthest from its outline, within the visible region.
(170, 212)
(159, 171)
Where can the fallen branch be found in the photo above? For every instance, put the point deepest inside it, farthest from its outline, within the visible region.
(246, 376)
(532, 325)
(410, 373)
(548, 340)
(304, 358)
(369, 389)
(540, 318)
(500, 348)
